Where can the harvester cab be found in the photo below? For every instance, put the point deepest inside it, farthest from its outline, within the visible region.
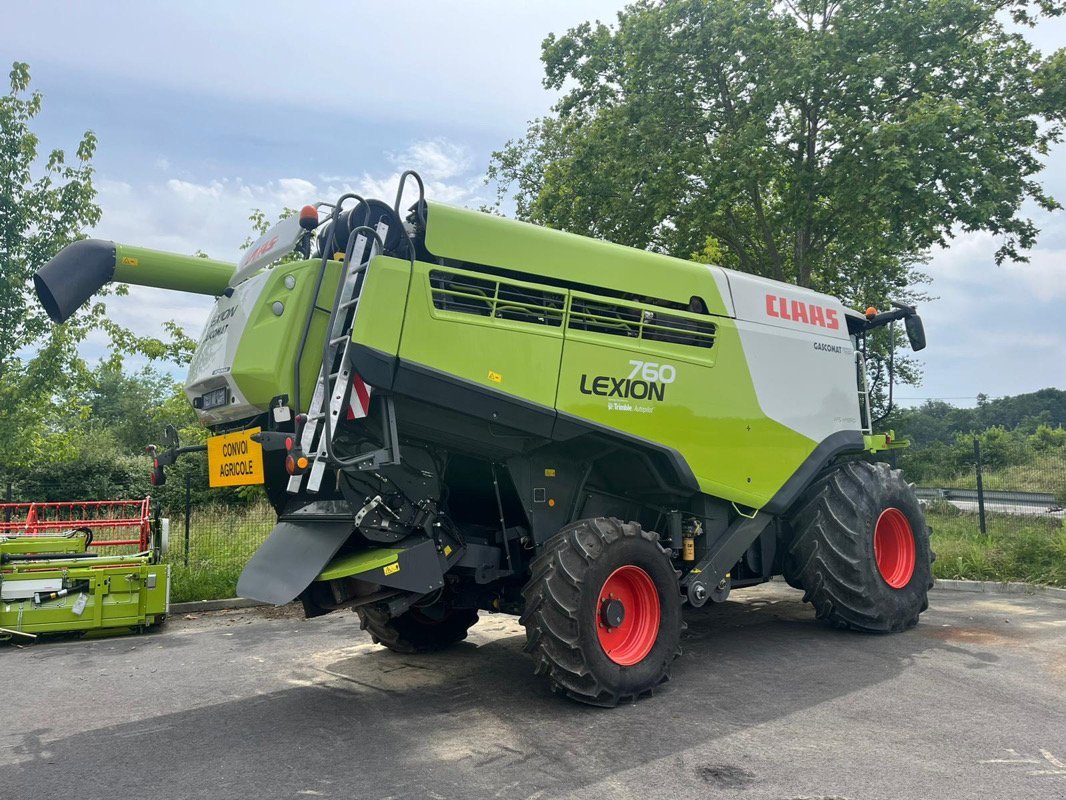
(454, 412)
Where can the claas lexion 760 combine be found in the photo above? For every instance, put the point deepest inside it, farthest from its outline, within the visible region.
(454, 412)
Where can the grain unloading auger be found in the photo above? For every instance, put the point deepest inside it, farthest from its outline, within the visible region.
(454, 412)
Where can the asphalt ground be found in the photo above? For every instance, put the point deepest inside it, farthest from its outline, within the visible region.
(765, 703)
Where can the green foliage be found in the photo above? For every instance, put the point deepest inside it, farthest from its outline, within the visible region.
(824, 143)
(1022, 440)
(177, 348)
(45, 203)
(89, 465)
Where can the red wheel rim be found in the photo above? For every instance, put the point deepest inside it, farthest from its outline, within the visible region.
(627, 615)
(894, 548)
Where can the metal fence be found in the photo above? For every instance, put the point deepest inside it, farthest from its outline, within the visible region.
(212, 536)
(996, 480)
(194, 533)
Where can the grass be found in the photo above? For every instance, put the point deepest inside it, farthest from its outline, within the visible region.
(1026, 549)
(202, 583)
(221, 540)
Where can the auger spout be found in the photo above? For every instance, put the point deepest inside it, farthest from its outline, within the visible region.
(67, 282)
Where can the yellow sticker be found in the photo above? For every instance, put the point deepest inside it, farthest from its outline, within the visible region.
(128, 261)
(447, 550)
(391, 568)
(495, 377)
(549, 473)
(234, 459)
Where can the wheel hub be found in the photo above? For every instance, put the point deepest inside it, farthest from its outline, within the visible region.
(627, 615)
(612, 612)
(894, 549)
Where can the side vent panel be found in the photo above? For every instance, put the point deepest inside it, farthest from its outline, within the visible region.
(636, 322)
(485, 297)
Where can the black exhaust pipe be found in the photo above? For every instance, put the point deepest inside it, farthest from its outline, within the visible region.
(78, 272)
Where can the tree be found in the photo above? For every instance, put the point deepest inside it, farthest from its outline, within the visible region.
(819, 142)
(39, 215)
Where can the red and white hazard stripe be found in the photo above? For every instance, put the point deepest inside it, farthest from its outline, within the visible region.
(360, 400)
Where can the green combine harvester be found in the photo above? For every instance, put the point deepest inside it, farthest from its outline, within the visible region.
(454, 412)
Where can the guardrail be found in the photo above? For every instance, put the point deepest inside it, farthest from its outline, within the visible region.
(1041, 500)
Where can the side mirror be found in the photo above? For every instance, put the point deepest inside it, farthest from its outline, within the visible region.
(915, 332)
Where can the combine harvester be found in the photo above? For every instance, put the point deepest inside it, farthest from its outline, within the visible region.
(454, 412)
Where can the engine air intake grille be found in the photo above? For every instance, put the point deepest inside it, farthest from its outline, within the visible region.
(635, 322)
(485, 297)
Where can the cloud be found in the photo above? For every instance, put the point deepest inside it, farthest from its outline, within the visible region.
(994, 330)
(475, 59)
(437, 158)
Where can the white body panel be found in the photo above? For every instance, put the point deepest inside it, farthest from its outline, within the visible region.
(211, 365)
(277, 242)
(799, 353)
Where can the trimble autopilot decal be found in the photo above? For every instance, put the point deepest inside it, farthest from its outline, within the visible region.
(647, 381)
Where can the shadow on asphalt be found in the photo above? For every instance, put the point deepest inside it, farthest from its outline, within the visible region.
(471, 721)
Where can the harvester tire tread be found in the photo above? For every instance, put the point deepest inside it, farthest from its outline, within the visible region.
(412, 632)
(831, 556)
(559, 617)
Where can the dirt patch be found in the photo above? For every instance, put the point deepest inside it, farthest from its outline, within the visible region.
(987, 637)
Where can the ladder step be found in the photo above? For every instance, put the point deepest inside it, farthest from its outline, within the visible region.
(338, 339)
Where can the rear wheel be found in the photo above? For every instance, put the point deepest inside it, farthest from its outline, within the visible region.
(417, 630)
(861, 549)
(603, 611)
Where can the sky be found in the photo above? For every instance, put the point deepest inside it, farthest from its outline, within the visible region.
(205, 111)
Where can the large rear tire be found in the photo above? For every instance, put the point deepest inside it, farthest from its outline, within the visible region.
(861, 549)
(603, 612)
(417, 631)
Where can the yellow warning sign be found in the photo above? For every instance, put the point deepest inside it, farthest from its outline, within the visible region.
(495, 377)
(234, 459)
(129, 261)
(391, 568)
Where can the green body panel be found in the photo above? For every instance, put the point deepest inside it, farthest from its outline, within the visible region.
(487, 239)
(144, 267)
(710, 413)
(379, 321)
(350, 564)
(118, 594)
(502, 354)
(263, 364)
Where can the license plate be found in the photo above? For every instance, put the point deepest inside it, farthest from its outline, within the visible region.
(214, 399)
(233, 459)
